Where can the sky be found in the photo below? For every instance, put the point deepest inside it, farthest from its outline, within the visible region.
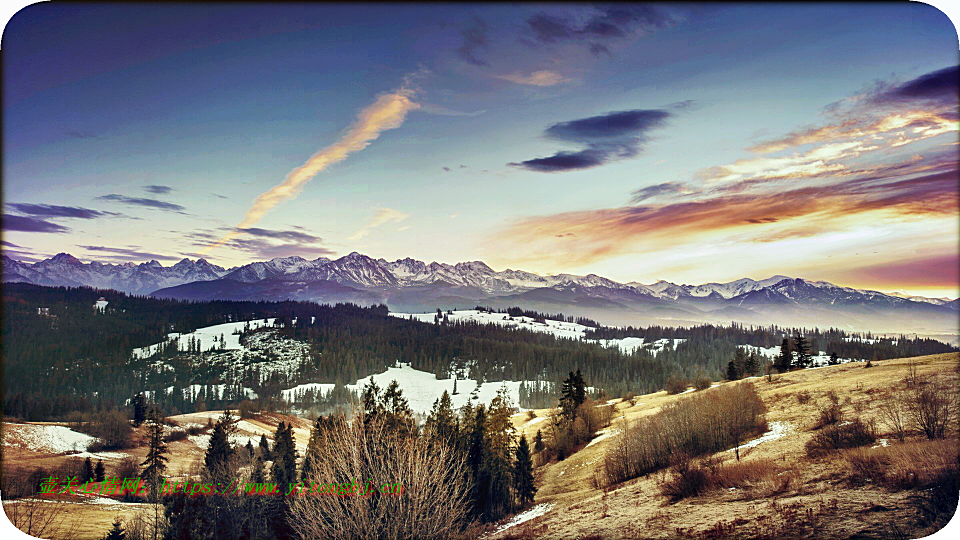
(684, 142)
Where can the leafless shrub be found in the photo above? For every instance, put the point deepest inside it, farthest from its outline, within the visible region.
(702, 423)
(803, 397)
(932, 405)
(702, 382)
(832, 413)
(433, 503)
(849, 434)
(42, 518)
(894, 413)
(175, 435)
(676, 384)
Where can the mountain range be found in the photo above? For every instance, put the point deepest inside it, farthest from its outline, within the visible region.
(412, 285)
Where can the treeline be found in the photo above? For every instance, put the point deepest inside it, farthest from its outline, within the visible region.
(539, 316)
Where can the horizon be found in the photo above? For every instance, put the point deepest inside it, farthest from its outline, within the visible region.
(695, 143)
(331, 259)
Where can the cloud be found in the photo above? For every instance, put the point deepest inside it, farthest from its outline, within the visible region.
(599, 24)
(158, 190)
(762, 217)
(131, 254)
(387, 112)
(474, 38)
(265, 249)
(140, 201)
(940, 87)
(29, 224)
(649, 192)
(537, 78)
(384, 215)
(447, 169)
(9, 244)
(296, 236)
(607, 137)
(890, 114)
(54, 211)
(79, 135)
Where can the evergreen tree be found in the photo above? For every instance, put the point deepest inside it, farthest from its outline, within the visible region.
(732, 373)
(834, 360)
(98, 472)
(497, 459)
(250, 450)
(117, 532)
(538, 445)
(397, 411)
(314, 448)
(265, 448)
(523, 473)
(441, 424)
(87, 470)
(784, 360)
(284, 470)
(139, 409)
(156, 461)
(803, 351)
(218, 461)
(751, 366)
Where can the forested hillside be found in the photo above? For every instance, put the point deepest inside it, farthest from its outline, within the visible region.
(61, 354)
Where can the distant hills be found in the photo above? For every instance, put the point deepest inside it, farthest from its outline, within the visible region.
(412, 285)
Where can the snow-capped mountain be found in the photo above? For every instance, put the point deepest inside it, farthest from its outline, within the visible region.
(143, 278)
(410, 284)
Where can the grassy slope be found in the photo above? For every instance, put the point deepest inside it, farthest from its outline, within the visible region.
(818, 500)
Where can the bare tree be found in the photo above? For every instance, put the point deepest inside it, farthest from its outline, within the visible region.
(343, 496)
(933, 405)
(43, 518)
(894, 413)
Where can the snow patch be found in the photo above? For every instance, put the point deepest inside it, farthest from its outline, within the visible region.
(777, 430)
(523, 517)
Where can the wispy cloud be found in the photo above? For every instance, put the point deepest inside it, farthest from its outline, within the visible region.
(387, 112)
(756, 217)
(157, 189)
(143, 202)
(55, 211)
(30, 224)
(80, 135)
(607, 137)
(596, 25)
(296, 236)
(128, 254)
(543, 77)
(473, 40)
(383, 216)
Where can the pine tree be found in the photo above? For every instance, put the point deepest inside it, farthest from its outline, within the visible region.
(156, 461)
(732, 374)
(284, 470)
(538, 445)
(441, 424)
(803, 351)
(87, 470)
(265, 448)
(139, 409)
(399, 416)
(99, 473)
(523, 473)
(785, 359)
(218, 461)
(314, 449)
(117, 532)
(751, 366)
(250, 450)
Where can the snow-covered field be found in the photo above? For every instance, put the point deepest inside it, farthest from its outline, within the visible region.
(559, 329)
(45, 438)
(422, 388)
(207, 336)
